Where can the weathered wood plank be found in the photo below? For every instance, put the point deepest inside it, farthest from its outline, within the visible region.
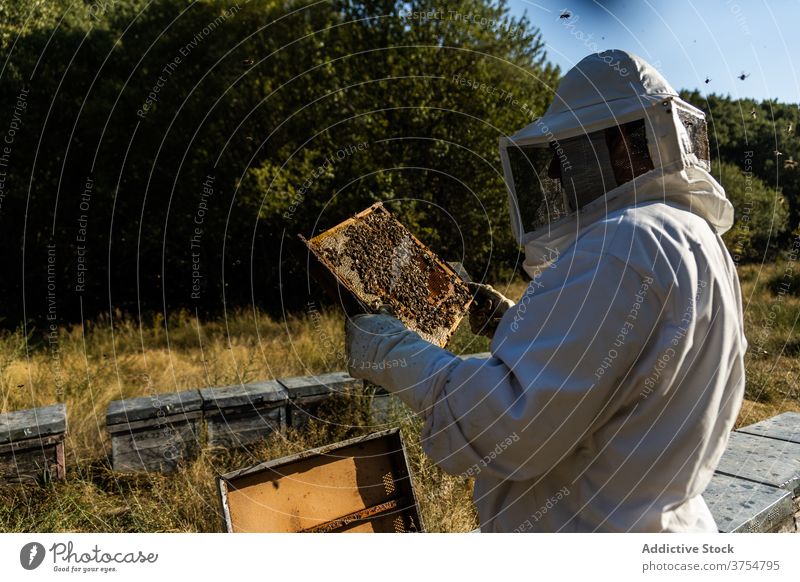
(33, 422)
(40, 460)
(231, 429)
(151, 423)
(155, 406)
(242, 414)
(18, 446)
(739, 505)
(763, 460)
(306, 393)
(161, 448)
(256, 394)
(32, 444)
(785, 427)
(155, 433)
(304, 386)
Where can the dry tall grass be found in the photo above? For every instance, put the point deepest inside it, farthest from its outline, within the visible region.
(118, 357)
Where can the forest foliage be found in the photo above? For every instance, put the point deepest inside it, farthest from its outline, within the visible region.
(166, 155)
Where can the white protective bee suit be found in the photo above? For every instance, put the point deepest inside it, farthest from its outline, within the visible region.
(615, 380)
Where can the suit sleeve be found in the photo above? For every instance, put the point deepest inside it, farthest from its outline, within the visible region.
(561, 364)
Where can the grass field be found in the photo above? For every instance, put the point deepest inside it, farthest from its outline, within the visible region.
(117, 357)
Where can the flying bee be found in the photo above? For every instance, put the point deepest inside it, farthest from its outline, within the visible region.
(789, 164)
(789, 127)
(753, 113)
(247, 62)
(777, 153)
(708, 80)
(565, 14)
(743, 76)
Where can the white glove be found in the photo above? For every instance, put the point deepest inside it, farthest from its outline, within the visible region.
(487, 309)
(381, 350)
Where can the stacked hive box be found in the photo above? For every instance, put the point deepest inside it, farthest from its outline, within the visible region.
(306, 393)
(245, 413)
(757, 484)
(155, 433)
(32, 444)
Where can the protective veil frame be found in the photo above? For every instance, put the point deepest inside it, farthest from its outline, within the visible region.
(676, 136)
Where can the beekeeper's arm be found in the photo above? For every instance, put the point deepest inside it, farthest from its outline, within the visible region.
(546, 388)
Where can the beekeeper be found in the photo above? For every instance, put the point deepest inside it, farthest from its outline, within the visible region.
(615, 379)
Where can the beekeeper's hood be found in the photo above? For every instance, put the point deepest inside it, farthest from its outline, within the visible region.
(566, 170)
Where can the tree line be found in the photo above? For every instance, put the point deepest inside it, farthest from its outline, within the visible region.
(166, 155)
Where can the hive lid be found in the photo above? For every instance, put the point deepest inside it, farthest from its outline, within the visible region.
(300, 386)
(145, 407)
(739, 505)
(785, 427)
(371, 259)
(20, 425)
(253, 394)
(765, 460)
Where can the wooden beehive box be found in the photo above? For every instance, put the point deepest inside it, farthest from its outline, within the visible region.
(245, 413)
(359, 485)
(371, 259)
(306, 393)
(32, 444)
(155, 433)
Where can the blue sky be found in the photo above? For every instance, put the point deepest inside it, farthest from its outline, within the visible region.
(688, 40)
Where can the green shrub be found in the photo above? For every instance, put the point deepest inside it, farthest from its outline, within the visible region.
(761, 214)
